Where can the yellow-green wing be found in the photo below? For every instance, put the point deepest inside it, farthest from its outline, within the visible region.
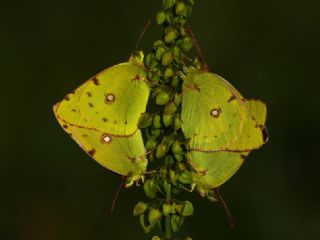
(122, 155)
(214, 169)
(110, 102)
(102, 117)
(216, 117)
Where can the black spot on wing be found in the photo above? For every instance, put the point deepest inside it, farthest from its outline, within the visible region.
(92, 152)
(233, 97)
(90, 105)
(96, 81)
(89, 94)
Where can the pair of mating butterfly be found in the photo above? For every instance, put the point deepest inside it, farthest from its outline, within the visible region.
(102, 116)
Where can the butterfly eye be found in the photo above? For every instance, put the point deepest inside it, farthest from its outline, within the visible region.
(215, 112)
(106, 139)
(109, 98)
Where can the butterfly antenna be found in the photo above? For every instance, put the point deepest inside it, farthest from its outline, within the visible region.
(230, 218)
(116, 196)
(198, 49)
(145, 28)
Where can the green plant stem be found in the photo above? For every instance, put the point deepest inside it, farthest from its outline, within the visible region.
(168, 218)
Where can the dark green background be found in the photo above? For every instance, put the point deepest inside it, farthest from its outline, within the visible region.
(51, 190)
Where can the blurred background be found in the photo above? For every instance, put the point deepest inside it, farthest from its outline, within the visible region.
(51, 190)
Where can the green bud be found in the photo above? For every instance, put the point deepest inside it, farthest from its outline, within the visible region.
(170, 36)
(157, 121)
(173, 177)
(181, 19)
(167, 187)
(158, 238)
(183, 31)
(170, 108)
(149, 59)
(145, 120)
(163, 173)
(161, 150)
(177, 99)
(179, 157)
(167, 119)
(151, 143)
(159, 53)
(176, 148)
(163, 98)
(181, 8)
(176, 52)
(181, 166)
(186, 177)
(170, 18)
(166, 58)
(186, 44)
(140, 208)
(158, 43)
(175, 82)
(168, 209)
(176, 222)
(177, 123)
(187, 209)
(154, 216)
(150, 188)
(168, 73)
(161, 17)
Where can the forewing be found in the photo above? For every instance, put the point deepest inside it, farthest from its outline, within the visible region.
(216, 117)
(110, 102)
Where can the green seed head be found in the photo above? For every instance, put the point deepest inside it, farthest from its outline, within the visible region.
(154, 216)
(140, 208)
(170, 36)
(186, 44)
(161, 151)
(167, 119)
(163, 98)
(157, 121)
(181, 9)
(168, 73)
(176, 148)
(161, 17)
(151, 143)
(166, 58)
(150, 188)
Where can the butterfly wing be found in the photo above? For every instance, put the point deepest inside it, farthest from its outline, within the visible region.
(212, 169)
(216, 117)
(102, 117)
